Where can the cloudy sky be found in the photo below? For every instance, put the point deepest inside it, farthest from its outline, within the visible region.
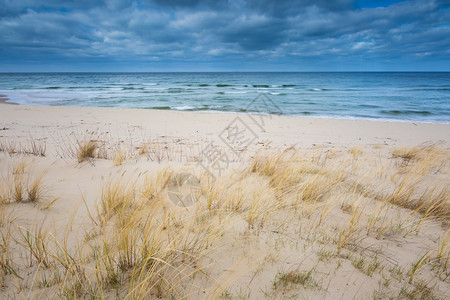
(228, 35)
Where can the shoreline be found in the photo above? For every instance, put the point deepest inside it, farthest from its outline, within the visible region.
(280, 130)
(4, 100)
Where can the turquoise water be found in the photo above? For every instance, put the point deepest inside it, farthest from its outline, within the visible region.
(423, 97)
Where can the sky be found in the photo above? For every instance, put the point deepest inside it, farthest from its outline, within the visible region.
(229, 35)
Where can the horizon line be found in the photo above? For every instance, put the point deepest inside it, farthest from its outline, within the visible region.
(144, 72)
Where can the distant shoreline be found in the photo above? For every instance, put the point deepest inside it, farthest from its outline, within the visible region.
(306, 117)
(4, 99)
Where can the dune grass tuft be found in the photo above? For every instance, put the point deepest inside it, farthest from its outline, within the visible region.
(290, 279)
(86, 150)
(119, 157)
(23, 185)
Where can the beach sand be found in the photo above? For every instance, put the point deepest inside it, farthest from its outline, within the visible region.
(276, 206)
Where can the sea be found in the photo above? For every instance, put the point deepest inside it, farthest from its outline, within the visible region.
(391, 96)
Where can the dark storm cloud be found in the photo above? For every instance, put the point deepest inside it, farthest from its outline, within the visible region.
(234, 31)
(260, 5)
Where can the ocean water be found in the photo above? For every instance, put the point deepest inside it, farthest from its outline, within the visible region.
(422, 97)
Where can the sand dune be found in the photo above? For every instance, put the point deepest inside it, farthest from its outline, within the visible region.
(128, 203)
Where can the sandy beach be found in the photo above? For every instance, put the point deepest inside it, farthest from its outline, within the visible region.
(134, 203)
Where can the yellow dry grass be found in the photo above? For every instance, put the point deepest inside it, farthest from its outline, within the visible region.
(86, 150)
(288, 223)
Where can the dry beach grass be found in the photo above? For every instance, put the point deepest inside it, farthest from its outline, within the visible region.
(89, 215)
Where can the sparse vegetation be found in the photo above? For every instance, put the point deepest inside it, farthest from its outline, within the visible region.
(30, 146)
(289, 279)
(86, 150)
(316, 218)
(22, 185)
(119, 157)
